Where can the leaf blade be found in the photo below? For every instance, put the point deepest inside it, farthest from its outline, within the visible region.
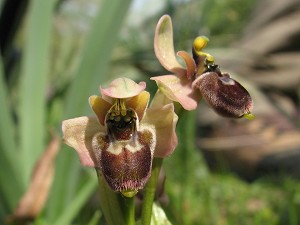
(10, 187)
(33, 85)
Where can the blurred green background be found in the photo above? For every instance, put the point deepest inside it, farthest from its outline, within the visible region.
(56, 53)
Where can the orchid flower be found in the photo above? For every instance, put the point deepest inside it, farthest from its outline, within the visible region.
(200, 78)
(125, 135)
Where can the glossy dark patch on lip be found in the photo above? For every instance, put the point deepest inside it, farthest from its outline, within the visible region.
(121, 127)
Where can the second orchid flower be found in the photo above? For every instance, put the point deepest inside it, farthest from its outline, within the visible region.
(201, 78)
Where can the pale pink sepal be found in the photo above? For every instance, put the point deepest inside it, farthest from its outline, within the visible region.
(159, 100)
(178, 89)
(164, 46)
(78, 134)
(164, 120)
(122, 88)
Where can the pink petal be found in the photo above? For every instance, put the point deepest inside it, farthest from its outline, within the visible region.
(78, 134)
(178, 89)
(122, 88)
(164, 47)
(164, 120)
(190, 63)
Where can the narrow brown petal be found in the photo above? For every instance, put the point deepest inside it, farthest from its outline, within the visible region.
(226, 96)
(34, 199)
(190, 63)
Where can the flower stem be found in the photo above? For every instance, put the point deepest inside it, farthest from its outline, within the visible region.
(109, 202)
(150, 191)
(129, 211)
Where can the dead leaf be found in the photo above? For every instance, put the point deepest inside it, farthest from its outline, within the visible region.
(34, 199)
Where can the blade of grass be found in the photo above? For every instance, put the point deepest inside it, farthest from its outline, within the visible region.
(77, 202)
(96, 56)
(3, 211)
(90, 74)
(10, 185)
(34, 77)
(95, 219)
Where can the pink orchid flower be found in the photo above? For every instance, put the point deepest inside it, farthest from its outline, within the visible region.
(125, 135)
(200, 78)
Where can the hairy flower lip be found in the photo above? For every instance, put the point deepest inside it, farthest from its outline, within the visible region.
(126, 165)
(224, 95)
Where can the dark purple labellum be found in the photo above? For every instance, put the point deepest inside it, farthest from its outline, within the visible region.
(225, 95)
(126, 165)
(125, 152)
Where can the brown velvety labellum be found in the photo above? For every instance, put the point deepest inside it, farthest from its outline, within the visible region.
(225, 95)
(128, 169)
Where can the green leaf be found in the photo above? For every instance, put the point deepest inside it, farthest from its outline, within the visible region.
(96, 56)
(158, 216)
(75, 205)
(10, 176)
(95, 219)
(149, 190)
(90, 74)
(34, 70)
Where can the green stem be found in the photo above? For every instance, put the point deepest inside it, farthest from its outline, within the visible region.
(109, 203)
(129, 211)
(150, 192)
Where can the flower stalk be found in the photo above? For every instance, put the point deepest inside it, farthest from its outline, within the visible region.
(109, 202)
(129, 210)
(150, 191)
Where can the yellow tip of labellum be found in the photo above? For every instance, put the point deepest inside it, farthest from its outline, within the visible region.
(129, 193)
(249, 116)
